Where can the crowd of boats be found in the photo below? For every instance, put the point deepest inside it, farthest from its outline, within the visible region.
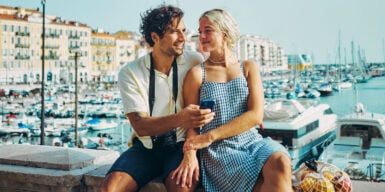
(97, 112)
(308, 129)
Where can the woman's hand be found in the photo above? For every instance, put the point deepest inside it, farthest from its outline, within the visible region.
(188, 170)
(197, 142)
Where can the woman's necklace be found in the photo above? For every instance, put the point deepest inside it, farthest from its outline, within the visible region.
(216, 62)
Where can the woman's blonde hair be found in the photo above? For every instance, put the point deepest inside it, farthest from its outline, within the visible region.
(225, 23)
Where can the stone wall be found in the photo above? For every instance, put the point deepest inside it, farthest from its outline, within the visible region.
(57, 169)
(46, 168)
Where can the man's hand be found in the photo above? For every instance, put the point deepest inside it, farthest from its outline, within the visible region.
(193, 117)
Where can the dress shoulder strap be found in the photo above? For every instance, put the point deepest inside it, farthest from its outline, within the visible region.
(203, 67)
(242, 68)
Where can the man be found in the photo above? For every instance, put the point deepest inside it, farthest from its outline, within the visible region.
(151, 92)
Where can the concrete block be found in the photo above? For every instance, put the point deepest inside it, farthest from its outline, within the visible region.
(47, 168)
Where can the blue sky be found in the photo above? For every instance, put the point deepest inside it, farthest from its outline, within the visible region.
(299, 26)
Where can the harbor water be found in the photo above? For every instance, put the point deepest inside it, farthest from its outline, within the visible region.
(370, 94)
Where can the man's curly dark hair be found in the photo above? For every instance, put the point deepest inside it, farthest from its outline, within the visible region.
(158, 20)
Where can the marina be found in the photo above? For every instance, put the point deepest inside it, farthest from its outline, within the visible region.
(302, 126)
(302, 146)
(359, 148)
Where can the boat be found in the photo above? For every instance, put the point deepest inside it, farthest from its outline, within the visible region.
(103, 141)
(105, 111)
(325, 89)
(72, 130)
(304, 127)
(99, 124)
(342, 85)
(359, 148)
(312, 93)
(14, 131)
(52, 131)
(341, 82)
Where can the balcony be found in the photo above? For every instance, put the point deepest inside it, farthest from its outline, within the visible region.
(51, 35)
(51, 57)
(51, 46)
(22, 57)
(73, 37)
(74, 47)
(19, 33)
(19, 45)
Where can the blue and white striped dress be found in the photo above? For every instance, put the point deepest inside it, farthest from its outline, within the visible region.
(232, 164)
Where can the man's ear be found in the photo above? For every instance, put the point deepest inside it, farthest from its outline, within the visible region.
(154, 37)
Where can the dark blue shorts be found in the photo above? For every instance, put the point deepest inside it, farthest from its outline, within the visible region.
(146, 164)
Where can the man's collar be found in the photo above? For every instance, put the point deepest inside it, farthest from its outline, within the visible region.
(180, 60)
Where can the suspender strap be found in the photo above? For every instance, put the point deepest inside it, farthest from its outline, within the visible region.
(151, 94)
(169, 138)
(151, 97)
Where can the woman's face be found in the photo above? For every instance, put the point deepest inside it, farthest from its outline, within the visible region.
(209, 36)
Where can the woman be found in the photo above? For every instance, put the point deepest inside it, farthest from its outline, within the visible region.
(233, 155)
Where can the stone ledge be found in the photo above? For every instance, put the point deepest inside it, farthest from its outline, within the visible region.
(47, 168)
(84, 170)
(50, 157)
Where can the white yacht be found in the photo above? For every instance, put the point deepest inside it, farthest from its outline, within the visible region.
(359, 148)
(302, 126)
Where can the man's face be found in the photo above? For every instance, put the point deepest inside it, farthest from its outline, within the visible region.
(173, 39)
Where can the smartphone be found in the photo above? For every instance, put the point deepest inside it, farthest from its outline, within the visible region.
(207, 104)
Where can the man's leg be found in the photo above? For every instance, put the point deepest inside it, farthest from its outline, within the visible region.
(171, 185)
(118, 181)
(171, 162)
(132, 170)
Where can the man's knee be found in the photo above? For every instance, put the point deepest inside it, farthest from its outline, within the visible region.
(118, 181)
(172, 186)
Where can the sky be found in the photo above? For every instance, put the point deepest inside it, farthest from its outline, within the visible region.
(315, 27)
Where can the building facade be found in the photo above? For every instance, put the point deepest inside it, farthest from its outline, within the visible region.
(100, 54)
(22, 47)
(269, 55)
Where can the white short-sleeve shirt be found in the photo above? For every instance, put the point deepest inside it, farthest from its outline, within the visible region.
(134, 88)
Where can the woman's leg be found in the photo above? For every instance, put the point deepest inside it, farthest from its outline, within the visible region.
(276, 174)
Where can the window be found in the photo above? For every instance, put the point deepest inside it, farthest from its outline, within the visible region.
(328, 111)
(308, 128)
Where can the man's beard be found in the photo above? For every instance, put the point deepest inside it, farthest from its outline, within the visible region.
(175, 52)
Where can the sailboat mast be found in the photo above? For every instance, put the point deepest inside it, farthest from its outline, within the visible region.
(383, 48)
(339, 55)
(355, 73)
(353, 60)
